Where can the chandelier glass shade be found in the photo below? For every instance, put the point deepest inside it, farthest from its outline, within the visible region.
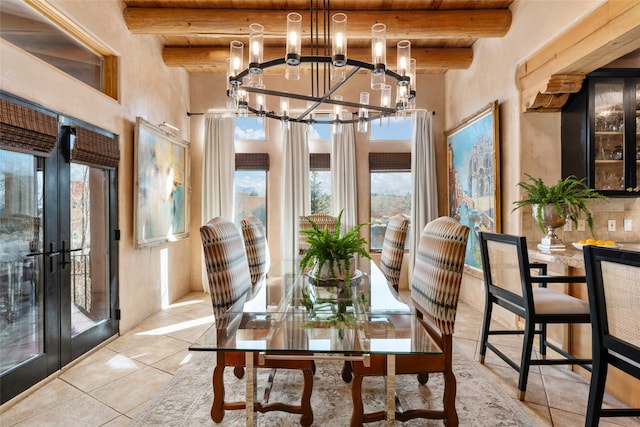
(247, 91)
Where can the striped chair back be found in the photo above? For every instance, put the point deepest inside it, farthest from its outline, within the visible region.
(226, 262)
(393, 249)
(321, 220)
(256, 247)
(437, 274)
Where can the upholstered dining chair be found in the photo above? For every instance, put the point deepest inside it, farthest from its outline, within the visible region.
(614, 299)
(229, 285)
(322, 220)
(256, 247)
(509, 284)
(435, 288)
(392, 254)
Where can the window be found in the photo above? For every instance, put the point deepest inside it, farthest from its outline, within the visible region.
(390, 129)
(46, 33)
(390, 175)
(250, 186)
(320, 182)
(320, 131)
(250, 129)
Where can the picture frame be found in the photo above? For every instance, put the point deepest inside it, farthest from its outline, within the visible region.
(162, 187)
(473, 159)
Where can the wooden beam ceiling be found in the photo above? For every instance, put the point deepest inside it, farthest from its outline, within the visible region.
(197, 37)
(547, 78)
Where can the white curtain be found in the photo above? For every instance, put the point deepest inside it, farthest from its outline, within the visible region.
(343, 176)
(218, 167)
(424, 206)
(295, 186)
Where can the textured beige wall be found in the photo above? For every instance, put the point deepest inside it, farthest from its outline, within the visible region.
(530, 142)
(147, 89)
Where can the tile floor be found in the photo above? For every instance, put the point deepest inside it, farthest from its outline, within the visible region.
(115, 382)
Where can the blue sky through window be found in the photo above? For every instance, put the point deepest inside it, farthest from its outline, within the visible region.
(391, 129)
(249, 128)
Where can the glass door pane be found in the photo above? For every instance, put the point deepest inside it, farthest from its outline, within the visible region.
(609, 136)
(637, 133)
(21, 282)
(88, 256)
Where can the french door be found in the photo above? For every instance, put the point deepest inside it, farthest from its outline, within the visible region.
(58, 262)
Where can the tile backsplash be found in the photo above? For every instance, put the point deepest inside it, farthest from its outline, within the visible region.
(618, 209)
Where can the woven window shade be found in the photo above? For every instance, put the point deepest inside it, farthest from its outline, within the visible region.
(26, 130)
(252, 161)
(94, 149)
(319, 161)
(389, 162)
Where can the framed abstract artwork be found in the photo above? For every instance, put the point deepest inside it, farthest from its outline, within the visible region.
(162, 187)
(474, 176)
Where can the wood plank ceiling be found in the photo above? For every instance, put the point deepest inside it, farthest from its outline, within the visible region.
(196, 33)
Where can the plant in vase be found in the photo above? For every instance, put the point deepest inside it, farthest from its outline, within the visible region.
(330, 255)
(553, 205)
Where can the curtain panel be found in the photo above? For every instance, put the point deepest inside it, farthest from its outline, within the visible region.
(424, 206)
(295, 186)
(218, 167)
(343, 176)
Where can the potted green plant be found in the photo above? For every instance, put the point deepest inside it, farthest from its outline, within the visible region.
(567, 198)
(330, 255)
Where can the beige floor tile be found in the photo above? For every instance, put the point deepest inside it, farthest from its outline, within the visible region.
(566, 419)
(538, 414)
(131, 391)
(150, 349)
(41, 400)
(194, 305)
(102, 371)
(507, 379)
(121, 421)
(83, 411)
(568, 396)
(173, 363)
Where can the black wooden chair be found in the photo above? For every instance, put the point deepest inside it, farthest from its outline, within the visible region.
(509, 284)
(613, 280)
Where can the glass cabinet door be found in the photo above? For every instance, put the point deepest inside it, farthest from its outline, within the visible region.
(609, 141)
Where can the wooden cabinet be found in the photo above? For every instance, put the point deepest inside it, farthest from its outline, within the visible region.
(601, 133)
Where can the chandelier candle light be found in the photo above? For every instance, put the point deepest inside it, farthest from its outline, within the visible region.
(244, 81)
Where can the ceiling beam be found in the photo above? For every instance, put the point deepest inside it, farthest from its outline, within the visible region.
(609, 32)
(214, 58)
(401, 24)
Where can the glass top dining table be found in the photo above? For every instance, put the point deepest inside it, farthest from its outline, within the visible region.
(291, 316)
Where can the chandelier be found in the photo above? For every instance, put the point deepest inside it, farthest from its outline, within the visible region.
(330, 64)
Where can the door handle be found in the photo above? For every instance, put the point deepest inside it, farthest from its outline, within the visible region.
(51, 254)
(67, 252)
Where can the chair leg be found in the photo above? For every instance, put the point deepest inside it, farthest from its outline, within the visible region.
(525, 358)
(543, 340)
(596, 389)
(449, 398)
(217, 408)
(357, 413)
(486, 322)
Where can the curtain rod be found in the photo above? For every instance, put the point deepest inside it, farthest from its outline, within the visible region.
(189, 114)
